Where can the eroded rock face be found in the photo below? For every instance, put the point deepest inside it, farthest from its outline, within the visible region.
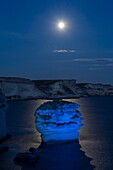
(58, 121)
(16, 88)
(3, 108)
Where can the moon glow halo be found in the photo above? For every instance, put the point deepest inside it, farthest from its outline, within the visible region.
(61, 25)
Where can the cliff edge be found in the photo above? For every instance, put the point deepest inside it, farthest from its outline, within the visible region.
(21, 88)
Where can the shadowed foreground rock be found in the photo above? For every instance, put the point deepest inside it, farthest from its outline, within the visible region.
(3, 128)
(26, 157)
(3, 108)
(67, 156)
(3, 148)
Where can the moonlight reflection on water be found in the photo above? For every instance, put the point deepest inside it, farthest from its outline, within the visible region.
(95, 136)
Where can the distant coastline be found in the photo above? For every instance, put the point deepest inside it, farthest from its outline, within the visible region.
(16, 88)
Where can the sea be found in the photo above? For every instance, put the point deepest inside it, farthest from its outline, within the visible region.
(94, 149)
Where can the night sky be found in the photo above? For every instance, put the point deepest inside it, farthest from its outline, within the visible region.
(32, 45)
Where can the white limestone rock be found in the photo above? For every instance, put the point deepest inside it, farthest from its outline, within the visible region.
(21, 88)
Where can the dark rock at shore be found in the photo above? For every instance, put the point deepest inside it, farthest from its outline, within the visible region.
(26, 157)
(3, 109)
(65, 156)
(3, 148)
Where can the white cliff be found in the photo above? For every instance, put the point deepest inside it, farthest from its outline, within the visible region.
(20, 88)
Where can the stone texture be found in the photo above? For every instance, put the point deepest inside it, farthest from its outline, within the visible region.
(58, 121)
(21, 88)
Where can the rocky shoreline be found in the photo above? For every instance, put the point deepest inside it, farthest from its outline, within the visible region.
(23, 89)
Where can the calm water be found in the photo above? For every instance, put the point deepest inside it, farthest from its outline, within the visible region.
(96, 136)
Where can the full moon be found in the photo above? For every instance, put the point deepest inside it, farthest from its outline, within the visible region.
(61, 25)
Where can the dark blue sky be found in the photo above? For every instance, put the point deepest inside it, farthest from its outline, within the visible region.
(32, 46)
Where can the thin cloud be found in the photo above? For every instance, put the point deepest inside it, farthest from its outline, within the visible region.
(93, 60)
(95, 68)
(102, 65)
(72, 51)
(11, 34)
(64, 51)
(101, 68)
(96, 61)
(110, 64)
(14, 34)
(60, 51)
